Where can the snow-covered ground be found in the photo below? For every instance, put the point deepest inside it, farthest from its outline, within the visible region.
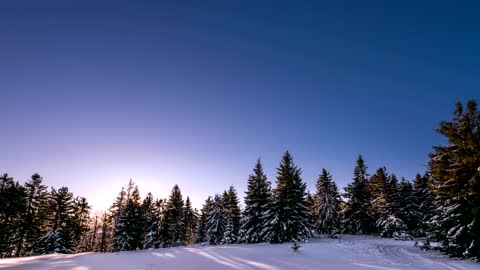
(350, 252)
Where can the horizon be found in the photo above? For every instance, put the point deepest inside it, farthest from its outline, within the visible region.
(96, 94)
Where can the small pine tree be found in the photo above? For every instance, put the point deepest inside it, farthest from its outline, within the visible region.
(326, 204)
(288, 218)
(33, 219)
(201, 235)
(12, 206)
(152, 220)
(190, 220)
(357, 215)
(232, 216)
(257, 201)
(173, 228)
(215, 223)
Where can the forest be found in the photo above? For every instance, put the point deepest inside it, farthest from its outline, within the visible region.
(440, 205)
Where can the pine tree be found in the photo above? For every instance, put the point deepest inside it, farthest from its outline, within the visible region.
(288, 217)
(357, 214)
(32, 220)
(257, 201)
(326, 204)
(173, 229)
(386, 204)
(232, 216)
(215, 222)
(59, 237)
(129, 222)
(190, 221)
(455, 181)
(12, 206)
(117, 218)
(105, 234)
(152, 222)
(422, 199)
(201, 235)
(79, 223)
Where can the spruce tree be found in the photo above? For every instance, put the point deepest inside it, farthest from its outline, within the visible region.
(422, 198)
(152, 222)
(455, 181)
(288, 218)
(190, 221)
(117, 218)
(326, 204)
(232, 216)
(12, 206)
(357, 214)
(59, 237)
(173, 228)
(215, 222)
(201, 235)
(257, 202)
(33, 218)
(80, 222)
(386, 204)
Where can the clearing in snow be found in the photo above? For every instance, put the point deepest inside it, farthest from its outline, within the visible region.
(349, 252)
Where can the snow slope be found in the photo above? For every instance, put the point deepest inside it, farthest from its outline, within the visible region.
(350, 252)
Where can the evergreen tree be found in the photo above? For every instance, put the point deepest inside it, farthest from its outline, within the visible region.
(257, 201)
(288, 217)
(422, 199)
(386, 204)
(215, 222)
(190, 220)
(33, 218)
(104, 236)
(59, 237)
(129, 222)
(357, 214)
(79, 222)
(152, 222)
(326, 204)
(407, 210)
(12, 206)
(455, 181)
(173, 228)
(201, 235)
(232, 216)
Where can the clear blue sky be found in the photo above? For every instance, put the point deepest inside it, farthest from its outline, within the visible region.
(93, 94)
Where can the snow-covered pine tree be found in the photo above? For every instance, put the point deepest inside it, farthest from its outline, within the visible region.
(215, 222)
(129, 223)
(257, 201)
(232, 216)
(173, 229)
(201, 235)
(105, 235)
(422, 198)
(80, 223)
(12, 207)
(385, 203)
(59, 235)
(117, 218)
(455, 181)
(326, 204)
(406, 208)
(190, 220)
(357, 215)
(33, 218)
(288, 217)
(152, 222)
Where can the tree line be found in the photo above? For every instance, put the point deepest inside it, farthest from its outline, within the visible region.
(442, 205)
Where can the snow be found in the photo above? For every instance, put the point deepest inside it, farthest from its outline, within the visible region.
(348, 252)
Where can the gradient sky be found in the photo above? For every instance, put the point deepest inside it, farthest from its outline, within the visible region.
(93, 94)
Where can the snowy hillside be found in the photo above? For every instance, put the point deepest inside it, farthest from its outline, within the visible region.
(340, 254)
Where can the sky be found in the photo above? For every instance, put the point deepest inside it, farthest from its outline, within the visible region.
(94, 93)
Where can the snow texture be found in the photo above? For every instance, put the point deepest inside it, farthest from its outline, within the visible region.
(349, 252)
